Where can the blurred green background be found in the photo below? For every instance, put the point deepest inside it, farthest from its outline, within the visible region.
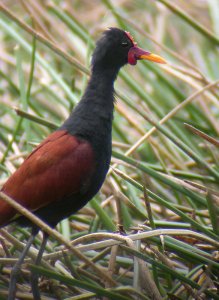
(164, 171)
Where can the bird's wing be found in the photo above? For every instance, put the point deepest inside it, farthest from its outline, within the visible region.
(61, 165)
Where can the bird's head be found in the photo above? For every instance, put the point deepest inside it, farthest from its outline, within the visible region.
(117, 47)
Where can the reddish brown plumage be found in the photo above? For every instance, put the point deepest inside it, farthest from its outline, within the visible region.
(67, 170)
(60, 166)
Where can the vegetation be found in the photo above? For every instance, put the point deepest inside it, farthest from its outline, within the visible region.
(153, 230)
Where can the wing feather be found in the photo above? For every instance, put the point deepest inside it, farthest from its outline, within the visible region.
(58, 167)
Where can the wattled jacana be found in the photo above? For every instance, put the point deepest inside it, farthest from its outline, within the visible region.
(68, 168)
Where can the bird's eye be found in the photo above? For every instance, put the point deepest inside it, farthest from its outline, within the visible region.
(124, 44)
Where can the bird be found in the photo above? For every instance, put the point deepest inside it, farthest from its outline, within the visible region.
(68, 168)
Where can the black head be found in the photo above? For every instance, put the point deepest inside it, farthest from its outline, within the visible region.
(112, 49)
(116, 48)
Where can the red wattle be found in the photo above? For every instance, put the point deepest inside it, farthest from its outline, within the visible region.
(135, 53)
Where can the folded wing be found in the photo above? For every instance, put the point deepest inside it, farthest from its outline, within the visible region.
(58, 167)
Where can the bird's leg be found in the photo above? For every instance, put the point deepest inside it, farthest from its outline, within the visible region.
(34, 276)
(16, 269)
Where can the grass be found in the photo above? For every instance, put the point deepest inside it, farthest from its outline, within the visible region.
(162, 188)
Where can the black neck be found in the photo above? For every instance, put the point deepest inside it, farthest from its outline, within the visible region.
(101, 86)
(95, 110)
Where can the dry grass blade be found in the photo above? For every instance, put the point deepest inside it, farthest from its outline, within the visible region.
(202, 135)
(55, 234)
(44, 40)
